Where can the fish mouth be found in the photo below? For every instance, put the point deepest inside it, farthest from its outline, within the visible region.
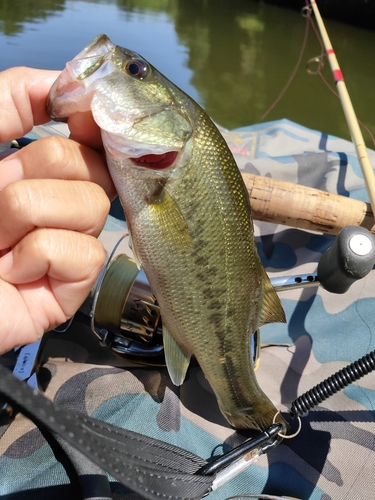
(156, 162)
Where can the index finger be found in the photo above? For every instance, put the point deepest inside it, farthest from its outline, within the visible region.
(83, 129)
(23, 95)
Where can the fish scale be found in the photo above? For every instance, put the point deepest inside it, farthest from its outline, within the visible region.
(190, 221)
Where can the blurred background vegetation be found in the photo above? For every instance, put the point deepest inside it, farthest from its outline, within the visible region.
(233, 56)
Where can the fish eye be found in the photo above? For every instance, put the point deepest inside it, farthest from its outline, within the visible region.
(137, 68)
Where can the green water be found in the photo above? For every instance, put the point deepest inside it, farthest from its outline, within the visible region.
(233, 56)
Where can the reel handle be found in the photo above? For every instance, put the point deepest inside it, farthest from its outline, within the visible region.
(350, 258)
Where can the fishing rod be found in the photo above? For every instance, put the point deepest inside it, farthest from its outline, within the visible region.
(303, 207)
(348, 109)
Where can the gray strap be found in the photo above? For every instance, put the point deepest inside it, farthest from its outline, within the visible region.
(147, 466)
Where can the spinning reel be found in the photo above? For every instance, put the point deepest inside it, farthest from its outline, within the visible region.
(126, 317)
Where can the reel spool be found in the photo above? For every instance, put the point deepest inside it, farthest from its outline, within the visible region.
(125, 314)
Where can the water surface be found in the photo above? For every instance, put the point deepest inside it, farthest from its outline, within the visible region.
(233, 56)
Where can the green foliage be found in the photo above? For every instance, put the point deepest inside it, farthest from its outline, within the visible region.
(14, 13)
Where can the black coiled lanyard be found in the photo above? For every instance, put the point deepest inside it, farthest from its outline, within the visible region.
(336, 382)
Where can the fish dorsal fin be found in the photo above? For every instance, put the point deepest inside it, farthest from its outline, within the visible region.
(272, 310)
(176, 360)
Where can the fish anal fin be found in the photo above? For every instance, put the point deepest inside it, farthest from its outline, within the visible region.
(177, 360)
(272, 310)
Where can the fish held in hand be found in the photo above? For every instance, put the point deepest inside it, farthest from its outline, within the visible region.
(189, 217)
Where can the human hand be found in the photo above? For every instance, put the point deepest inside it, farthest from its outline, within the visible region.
(54, 199)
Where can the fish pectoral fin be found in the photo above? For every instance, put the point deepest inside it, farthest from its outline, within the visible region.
(133, 248)
(167, 216)
(272, 310)
(176, 360)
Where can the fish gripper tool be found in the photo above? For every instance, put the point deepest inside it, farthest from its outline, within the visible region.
(233, 462)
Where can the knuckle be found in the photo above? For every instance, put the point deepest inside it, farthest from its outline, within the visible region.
(15, 213)
(100, 255)
(100, 199)
(87, 255)
(15, 200)
(57, 151)
(37, 243)
(97, 206)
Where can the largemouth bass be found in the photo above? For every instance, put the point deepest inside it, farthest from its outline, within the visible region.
(189, 217)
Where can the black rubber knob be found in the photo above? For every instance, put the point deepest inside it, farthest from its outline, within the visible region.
(350, 258)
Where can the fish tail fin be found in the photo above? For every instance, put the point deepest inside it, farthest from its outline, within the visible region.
(272, 310)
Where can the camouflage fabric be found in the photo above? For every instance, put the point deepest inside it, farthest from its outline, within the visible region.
(333, 455)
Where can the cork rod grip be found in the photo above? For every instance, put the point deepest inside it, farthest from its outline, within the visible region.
(302, 207)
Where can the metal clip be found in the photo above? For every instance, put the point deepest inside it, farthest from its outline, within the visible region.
(240, 458)
(25, 368)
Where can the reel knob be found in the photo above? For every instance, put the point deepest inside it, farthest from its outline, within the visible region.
(350, 258)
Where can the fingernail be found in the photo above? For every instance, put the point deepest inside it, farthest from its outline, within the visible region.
(6, 263)
(10, 170)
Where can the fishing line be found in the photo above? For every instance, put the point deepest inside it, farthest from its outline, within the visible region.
(365, 127)
(320, 60)
(306, 13)
(294, 72)
(260, 496)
